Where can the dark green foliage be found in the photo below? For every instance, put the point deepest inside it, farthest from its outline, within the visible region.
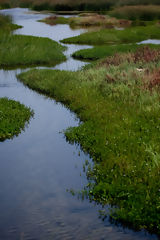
(13, 117)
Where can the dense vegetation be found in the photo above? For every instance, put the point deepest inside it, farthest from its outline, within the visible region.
(13, 117)
(118, 102)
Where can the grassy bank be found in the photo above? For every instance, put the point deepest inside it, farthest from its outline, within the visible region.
(113, 36)
(118, 102)
(19, 50)
(13, 117)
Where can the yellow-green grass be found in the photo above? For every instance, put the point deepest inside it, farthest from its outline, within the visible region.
(13, 117)
(118, 103)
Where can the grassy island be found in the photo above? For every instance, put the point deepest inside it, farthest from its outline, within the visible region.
(19, 50)
(113, 36)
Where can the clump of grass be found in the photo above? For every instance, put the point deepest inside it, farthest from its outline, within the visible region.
(19, 50)
(13, 117)
(110, 36)
(99, 52)
(118, 102)
(149, 12)
(53, 20)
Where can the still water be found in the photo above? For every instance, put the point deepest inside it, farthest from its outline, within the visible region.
(38, 166)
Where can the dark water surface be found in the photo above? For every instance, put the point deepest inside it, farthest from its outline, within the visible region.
(38, 166)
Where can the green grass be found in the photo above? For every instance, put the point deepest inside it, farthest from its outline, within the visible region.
(118, 103)
(112, 36)
(19, 50)
(13, 117)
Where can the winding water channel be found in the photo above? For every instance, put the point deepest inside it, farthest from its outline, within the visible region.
(39, 165)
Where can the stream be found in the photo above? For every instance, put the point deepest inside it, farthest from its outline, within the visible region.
(38, 166)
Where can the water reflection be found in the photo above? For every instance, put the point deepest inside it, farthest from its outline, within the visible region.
(39, 165)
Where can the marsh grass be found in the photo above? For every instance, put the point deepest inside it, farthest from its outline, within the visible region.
(118, 104)
(13, 117)
(19, 50)
(113, 36)
(99, 52)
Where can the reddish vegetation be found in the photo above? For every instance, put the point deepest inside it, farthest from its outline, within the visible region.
(142, 55)
(152, 79)
(146, 55)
